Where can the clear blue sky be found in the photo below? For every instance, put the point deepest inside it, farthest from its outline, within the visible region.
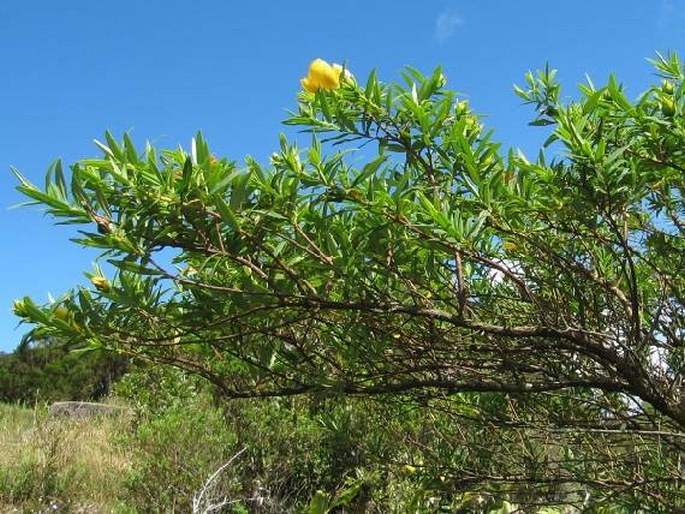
(164, 69)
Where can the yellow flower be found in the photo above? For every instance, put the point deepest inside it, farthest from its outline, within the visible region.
(323, 76)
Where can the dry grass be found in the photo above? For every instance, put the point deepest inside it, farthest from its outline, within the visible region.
(72, 465)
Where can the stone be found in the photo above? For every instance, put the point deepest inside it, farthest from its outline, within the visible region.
(81, 410)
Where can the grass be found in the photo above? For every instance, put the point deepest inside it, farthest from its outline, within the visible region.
(60, 464)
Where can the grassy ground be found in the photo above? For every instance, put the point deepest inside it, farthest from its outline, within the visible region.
(60, 464)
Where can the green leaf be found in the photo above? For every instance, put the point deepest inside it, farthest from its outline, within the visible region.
(130, 150)
(591, 102)
(368, 170)
(226, 179)
(200, 149)
(319, 504)
(427, 204)
(186, 177)
(348, 494)
(226, 213)
(371, 84)
(114, 149)
(134, 267)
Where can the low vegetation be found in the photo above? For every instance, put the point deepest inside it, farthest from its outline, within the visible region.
(289, 455)
(304, 454)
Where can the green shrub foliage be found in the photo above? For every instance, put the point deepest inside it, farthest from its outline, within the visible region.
(530, 311)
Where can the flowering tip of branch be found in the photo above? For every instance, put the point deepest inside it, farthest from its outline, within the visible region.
(323, 75)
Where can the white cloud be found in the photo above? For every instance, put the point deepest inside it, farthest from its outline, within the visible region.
(446, 24)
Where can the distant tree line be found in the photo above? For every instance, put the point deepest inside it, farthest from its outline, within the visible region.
(50, 371)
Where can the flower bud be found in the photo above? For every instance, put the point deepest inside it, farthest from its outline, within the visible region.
(667, 87)
(667, 106)
(19, 308)
(462, 107)
(61, 313)
(101, 284)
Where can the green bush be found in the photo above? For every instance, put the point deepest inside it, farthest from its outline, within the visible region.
(173, 454)
(151, 390)
(293, 447)
(528, 313)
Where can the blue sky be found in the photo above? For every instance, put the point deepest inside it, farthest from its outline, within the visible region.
(164, 69)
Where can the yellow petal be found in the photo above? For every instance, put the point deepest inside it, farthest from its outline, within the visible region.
(324, 74)
(321, 76)
(308, 86)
